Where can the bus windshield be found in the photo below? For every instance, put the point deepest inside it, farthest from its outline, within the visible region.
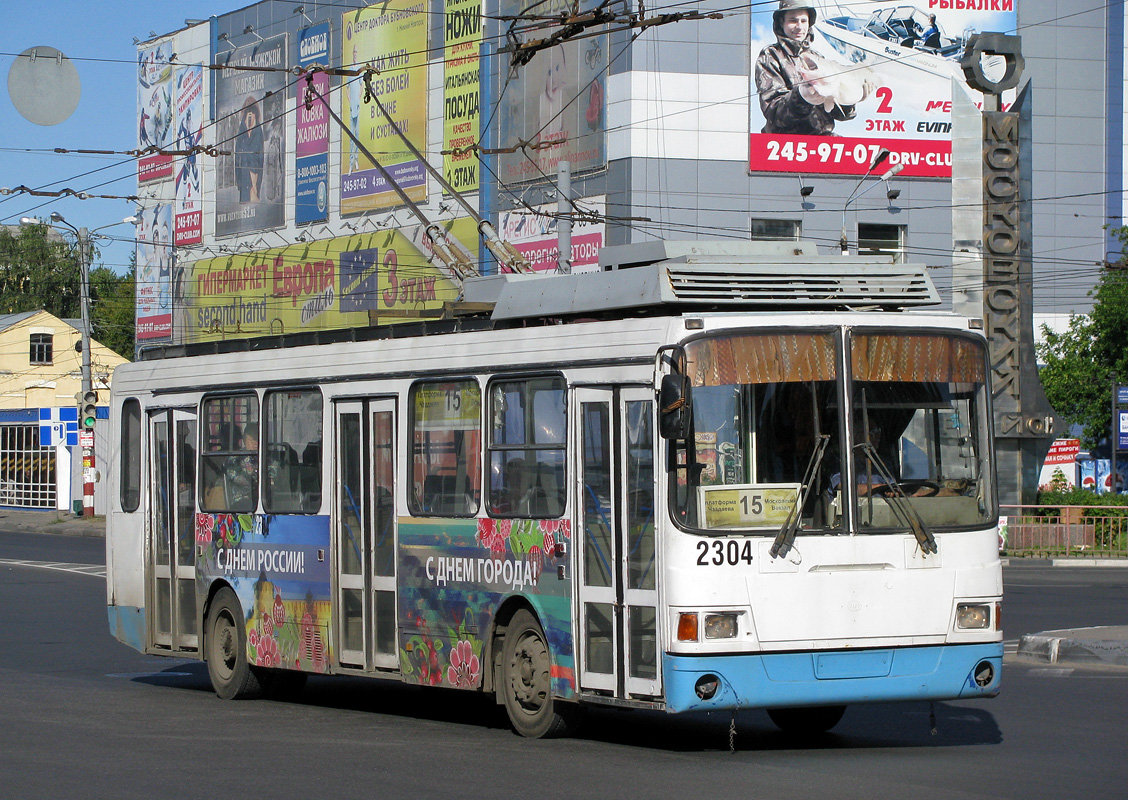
(769, 442)
(920, 423)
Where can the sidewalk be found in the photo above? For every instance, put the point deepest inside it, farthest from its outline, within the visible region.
(57, 522)
(1072, 561)
(1103, 645)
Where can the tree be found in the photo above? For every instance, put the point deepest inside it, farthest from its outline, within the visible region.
(112, 307)
(1081, 362)
(38, 270)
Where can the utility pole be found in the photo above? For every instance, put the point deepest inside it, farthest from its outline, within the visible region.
(564, 217)
(88, 395)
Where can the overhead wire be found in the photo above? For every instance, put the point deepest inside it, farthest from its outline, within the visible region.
(724, 9)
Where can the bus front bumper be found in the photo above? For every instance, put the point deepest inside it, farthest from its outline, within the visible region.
(831, 677)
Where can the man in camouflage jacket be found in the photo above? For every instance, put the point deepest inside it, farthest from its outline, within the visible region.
(787, 78)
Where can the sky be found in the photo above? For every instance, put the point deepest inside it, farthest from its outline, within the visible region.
(98, 39)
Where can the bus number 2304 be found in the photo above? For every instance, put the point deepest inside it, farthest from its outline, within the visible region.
(718, 552)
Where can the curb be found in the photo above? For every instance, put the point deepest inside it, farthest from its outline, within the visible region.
(1056, 647)
(52, 522)
(1113, 563)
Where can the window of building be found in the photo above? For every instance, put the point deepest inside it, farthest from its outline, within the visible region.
(527, 441)
(776, 230)
(876, 239)
(291, 451)
(446, 448)
(42, 348)
(229, 458)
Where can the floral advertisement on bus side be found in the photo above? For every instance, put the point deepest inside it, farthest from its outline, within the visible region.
(829, 92)
(278, 566)
(454, 576)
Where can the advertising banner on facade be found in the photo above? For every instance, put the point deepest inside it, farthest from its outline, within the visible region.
(1059, 469)
(311, 183)
(251, 126)
(352, 281)
(188, 214)
(155, 98)
(557, 102)
(536, 235)
(836, 82)
(154, 273)
(462, 36)
(392, 37)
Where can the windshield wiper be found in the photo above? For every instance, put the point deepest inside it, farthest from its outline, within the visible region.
(786, 538)
(900, 502)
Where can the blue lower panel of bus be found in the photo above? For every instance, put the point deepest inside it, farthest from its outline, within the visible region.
(127, 624)
(832, 677)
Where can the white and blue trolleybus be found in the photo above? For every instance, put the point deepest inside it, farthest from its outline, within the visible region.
(711, 476)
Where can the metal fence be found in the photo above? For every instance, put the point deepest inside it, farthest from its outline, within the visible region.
(27, 471)
(1064, 530)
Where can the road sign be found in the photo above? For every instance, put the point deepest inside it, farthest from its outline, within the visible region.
(58, 426)
(86, 438)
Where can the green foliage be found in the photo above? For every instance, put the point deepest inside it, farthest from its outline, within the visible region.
(112, 302)
(38, 271)
(1081, 361)
(1076, 496)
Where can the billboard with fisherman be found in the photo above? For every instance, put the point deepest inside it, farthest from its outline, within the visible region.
(832, 83)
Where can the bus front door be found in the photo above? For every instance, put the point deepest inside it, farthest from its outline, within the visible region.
(365, 534)
(617, 597)
(172, 487)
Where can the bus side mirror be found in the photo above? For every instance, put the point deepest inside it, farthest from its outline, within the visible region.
(673, 407)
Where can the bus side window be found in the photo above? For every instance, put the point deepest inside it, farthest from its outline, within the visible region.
(446, 447)
(130, 480)
(292, 421)
(527, 445)
(229, 454)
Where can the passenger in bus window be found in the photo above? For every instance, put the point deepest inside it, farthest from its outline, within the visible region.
(241, 472)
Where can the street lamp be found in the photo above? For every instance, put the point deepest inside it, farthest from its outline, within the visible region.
(83, 242)
(855, 195)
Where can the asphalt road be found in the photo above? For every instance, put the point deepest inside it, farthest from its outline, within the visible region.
(82, 715)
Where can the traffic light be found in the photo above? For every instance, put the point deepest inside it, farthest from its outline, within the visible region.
(88, 412)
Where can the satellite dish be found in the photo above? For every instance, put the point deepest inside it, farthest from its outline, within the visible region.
(44, 85)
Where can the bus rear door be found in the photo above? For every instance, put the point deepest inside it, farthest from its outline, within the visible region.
(365, 533)
(617, 595)
(172, 568)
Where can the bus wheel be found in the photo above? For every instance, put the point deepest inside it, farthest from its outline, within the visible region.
(526, 686)
(231, 675)
(815, 719)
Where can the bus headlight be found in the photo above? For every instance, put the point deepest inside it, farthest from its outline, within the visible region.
(973, 617)
(720, 626)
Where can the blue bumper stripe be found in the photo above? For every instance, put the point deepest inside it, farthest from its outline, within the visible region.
(831, 677)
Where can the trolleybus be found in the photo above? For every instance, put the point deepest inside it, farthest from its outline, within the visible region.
(710, 477)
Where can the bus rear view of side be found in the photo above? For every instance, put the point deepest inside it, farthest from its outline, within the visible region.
(682, 484)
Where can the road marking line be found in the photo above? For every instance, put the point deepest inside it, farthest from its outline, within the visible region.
(58, 566)
(1050, 672)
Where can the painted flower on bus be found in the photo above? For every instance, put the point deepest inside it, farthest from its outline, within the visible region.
(205, 523)
(534, 537)
(419, 657)
(465, 669)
